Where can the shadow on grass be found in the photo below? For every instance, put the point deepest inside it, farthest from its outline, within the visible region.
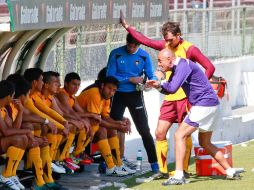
(131, 182)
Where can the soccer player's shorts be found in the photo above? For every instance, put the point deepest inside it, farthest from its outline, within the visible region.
(205, 118)
(173, 111)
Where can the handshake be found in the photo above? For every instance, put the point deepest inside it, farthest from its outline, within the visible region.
(146, 85)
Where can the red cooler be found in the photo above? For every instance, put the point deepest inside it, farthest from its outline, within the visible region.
(208, 166)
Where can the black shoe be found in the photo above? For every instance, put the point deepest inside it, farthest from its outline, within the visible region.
(174, 181)
(186, 175)
(160, 175)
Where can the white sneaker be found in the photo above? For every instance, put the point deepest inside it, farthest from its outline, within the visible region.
(15, 179)
(126, 169)
(8, 182)
(115, 172)
(57, 168)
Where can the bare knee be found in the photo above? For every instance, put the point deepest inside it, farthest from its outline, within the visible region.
(20, 141)
(179, 135)
(102, 133)
(160, 135)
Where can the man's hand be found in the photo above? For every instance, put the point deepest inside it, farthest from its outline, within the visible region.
(136, 80)
(122, 20)
(153, 84)
(30, 136)
(65, 132)
(17, 103)
(87, 124)
(159, 74)
(96, 117)
(52, 127)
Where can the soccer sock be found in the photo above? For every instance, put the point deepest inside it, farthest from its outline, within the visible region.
(162, 154)
(178, 174)
(58, 142)
(37, 133)
(65, 152)
(16, 165)
(187, 154)
(34, 155)
(115, 150)
(106, 152)
(46, 165)
(11, 158)
(80, 143)
(52, 143)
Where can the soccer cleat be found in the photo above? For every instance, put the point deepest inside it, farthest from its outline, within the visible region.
(56, 186)
(69, 162)
(129, 164)
(155, 167)
(160, 175)
(174, 181)
(8, 182)
(15, 179)
(126, 169)
(56, 167)
(235, 176)
(85, 159)
(68, 168)
(115, 172)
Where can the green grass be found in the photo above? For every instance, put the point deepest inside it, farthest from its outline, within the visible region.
(242, 157)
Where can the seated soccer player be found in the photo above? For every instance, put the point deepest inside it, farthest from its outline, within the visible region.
(66, 98)
(13, 141)
(100, 77)
(35, 77)
(97, 100)
(38, 157)
(49, 89)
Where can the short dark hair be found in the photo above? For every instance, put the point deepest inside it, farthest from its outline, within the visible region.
(71, 76)
(102, 74)
(110, 80)
(172, 27)
(21, 84)
(47, 76)
(32, 74)
(131, 40)
(7, 88)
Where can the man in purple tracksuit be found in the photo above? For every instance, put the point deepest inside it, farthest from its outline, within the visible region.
(202, 115)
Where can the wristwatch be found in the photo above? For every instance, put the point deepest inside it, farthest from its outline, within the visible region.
(46, 121)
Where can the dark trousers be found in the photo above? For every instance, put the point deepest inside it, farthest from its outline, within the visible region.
(134, 101)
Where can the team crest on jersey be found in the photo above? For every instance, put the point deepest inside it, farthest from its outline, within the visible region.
(136, 62)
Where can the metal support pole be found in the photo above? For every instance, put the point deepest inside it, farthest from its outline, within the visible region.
(157, 29)
(185, 21)
(244, 30)
(204, 28)
(175, 8)
(210, 18)
(233, 18)
(145, 28)
(238, 17)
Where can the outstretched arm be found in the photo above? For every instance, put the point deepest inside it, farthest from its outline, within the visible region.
(155, 44)
(196, 55)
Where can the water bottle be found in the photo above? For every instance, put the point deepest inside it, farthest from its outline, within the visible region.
(139, 160)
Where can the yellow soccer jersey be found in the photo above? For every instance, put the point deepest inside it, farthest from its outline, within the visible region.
(180, 51)
(91, 101)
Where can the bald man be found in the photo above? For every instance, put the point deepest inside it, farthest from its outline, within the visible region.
(202, 115)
